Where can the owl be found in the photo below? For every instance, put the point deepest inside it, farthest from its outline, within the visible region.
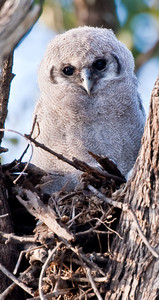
(89, 102)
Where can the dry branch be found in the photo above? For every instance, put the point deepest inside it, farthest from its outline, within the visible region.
(7, 291)
(43, 270)
(16, 18)
(93, 283)
(44, 213)
(15, 280)
(12, 238)
(78, 164)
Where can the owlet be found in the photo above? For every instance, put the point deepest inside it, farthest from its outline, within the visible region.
(89, 102)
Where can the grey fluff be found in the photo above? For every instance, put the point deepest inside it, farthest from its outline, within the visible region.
(90, 110)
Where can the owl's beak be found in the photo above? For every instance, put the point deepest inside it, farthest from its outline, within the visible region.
(86, 79)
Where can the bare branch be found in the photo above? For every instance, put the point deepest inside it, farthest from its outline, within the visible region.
(44, 213)
(54, 294)
(93, 283)
(42, 297)
(4, 216)
(16, 18)
(11, 238)
(7, 291)
(16, 280)
(26, 165)
(78, 164)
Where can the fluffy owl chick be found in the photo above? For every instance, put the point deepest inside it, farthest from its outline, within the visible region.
(89, 102)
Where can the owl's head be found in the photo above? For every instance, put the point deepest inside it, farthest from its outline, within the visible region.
(83, 57)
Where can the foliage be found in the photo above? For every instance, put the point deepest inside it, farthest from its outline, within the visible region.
(139, 26)
(140, 22)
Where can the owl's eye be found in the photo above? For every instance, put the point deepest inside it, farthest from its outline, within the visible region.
(68, 70)
(99, 64)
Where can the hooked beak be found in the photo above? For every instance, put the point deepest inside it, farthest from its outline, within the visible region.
(87, 81)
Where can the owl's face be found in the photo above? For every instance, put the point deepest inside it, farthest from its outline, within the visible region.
(84, 58)
(86, 74)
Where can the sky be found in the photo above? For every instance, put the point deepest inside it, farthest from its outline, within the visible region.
(25, 92)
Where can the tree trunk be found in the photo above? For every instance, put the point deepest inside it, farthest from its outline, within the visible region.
(99, 13)
(133, 270)
(17, 17)
(5, 82)
(9, 252)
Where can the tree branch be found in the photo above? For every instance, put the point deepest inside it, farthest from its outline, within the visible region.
(17, 17)
(16, 280)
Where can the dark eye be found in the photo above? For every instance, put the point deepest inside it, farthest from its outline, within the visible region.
(99, 64)
(68, 70)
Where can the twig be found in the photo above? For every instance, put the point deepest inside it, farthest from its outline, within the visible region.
(23, 154)
(42, 146)
(43, 212)
(84, 295)
(70, 222)
(33, 127)
(109, 229)
(16, 280)
(92, 264)
(21, 256)
(79, 253)
(26, 165)
(100, 173)
(54, 294)
(68, 196)
(27, 147)
(84, 279)
(42, 296)
(125, 207)
(11, 238)
(106, 199)
(4, 216)
(3, 150)
(7, 291)
(77, 164)
(88, 271)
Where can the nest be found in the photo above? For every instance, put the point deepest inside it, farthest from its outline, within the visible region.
(67, 245)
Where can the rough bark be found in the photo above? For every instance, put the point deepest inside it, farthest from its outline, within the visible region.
(133, 271)
(8, 253)
(99, 13)
(16, 18)
(5, 81)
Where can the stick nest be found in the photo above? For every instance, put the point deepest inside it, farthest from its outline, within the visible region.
(67, 245)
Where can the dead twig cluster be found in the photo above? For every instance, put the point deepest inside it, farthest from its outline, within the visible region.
(70, 244)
